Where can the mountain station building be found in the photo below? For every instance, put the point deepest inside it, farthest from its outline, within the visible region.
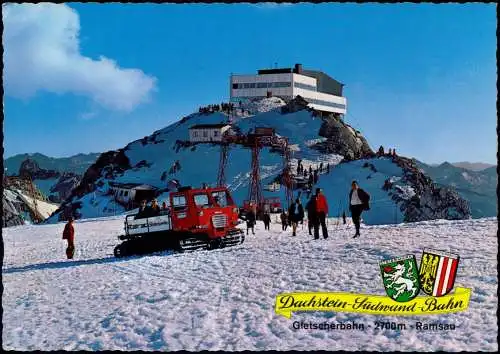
(202, 133)
(321, 91)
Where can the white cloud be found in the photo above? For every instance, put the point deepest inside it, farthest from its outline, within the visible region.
(42, 52)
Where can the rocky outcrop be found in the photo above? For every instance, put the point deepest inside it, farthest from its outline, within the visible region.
(428, 200)
(295, 105)
(66, 183)
(108, 165)
(343, 140)
(30, 168)
(11, 206)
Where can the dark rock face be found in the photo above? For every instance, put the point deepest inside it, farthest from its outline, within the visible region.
(342, 139)
(430, 201)
(11, 216)
(66, 183)
(30, 168)
(107, 165)
(295, 105)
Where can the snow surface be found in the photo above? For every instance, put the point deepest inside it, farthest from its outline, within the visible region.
(224, 299)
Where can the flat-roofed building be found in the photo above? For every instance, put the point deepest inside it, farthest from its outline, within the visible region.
(320, 90)
(207, 132)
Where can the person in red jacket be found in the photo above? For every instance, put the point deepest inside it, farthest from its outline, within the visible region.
(69, 234)
(321, 213)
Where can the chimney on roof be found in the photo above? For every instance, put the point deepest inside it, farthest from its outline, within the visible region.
(298, 69)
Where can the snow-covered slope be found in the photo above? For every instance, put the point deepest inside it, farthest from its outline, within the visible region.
(383, 210)
(224, 299)
(149, 160)
(44, 208)
(19, 207)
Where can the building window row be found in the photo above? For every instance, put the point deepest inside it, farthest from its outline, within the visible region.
(304, 86)
(325, 103)
(261, 85)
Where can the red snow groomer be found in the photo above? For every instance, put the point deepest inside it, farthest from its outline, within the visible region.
(196, 219)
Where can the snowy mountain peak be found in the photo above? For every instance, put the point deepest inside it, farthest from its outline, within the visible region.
(317, 141)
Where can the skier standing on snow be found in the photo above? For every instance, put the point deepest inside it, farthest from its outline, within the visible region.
(296, 214)
(358, 201)
(312, 216)
(322, 212)
(69, 234)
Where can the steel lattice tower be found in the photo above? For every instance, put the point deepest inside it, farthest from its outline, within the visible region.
(255, 190)
(221, 176)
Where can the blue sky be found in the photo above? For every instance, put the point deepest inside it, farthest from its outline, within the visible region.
(419, 77)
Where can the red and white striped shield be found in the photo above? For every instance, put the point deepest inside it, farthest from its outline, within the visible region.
(437, 272)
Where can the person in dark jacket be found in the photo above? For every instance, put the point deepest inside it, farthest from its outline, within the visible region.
(296, 214)
(251, 217)
(153, 210)
(267, 219)
(284, 220)
(142, 210)
(312, 216)
(69, 235)
(358, 201)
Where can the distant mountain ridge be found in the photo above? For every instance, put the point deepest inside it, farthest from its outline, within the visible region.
(472, 166)
(77, 164)
(478, 187)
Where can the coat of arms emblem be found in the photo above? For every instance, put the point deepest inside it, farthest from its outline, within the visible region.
(437, 272)
(400, 276)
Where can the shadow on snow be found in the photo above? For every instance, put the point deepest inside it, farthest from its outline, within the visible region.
(71, 263)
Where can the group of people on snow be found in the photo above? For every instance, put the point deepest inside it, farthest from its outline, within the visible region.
(316, 207)
(317, 213)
